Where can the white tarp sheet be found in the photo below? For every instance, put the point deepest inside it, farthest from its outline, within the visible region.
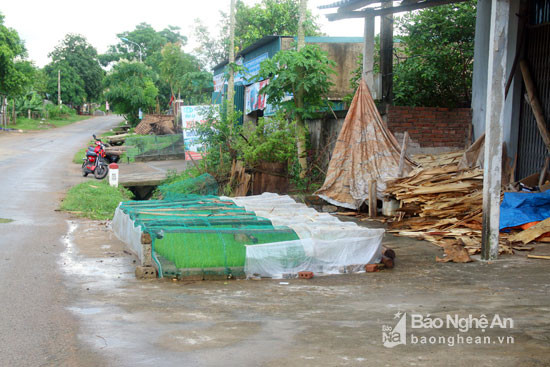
(326, 245)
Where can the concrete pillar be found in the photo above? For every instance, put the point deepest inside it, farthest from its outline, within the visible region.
(498, 40)
(481, 59)
(368, 52)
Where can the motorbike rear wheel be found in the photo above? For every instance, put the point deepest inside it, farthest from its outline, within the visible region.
(101, 171)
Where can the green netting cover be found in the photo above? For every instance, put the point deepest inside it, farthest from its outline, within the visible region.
(151, 146)
(203, 232)
(205, 184)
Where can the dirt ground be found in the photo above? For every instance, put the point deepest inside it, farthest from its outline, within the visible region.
(325, 321)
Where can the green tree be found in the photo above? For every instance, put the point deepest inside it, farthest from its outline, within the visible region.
(150, 41)
(80, 70)
(129, 87)
(290, 72)
(72, 85)
(435, 65)
(181, 71)
(266, 18)
(13, 77)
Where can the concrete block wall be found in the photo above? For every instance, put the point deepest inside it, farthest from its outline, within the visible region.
(432, 127)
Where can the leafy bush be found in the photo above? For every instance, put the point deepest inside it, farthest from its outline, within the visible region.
(55, 112)
(271, 140)
(94, 199)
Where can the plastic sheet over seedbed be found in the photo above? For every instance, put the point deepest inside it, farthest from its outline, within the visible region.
(268, 235)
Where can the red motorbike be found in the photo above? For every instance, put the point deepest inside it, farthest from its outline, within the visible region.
(96, 160)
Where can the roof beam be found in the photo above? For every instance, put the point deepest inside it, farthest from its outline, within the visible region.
(392, 10)
(356, 5)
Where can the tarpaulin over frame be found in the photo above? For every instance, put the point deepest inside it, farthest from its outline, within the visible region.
(365, 150)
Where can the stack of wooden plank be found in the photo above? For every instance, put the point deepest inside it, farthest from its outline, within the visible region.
(441, 204)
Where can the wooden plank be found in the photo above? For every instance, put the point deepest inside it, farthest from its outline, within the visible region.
(538, 257)
(534, 102)
(372, 199)
(531, 233)
(403, 154)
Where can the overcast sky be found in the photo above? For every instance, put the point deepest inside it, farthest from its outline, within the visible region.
(42, 24)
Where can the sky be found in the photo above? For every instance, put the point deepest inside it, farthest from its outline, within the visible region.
(43, 24)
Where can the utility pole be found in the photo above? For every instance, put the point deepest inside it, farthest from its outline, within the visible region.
(301, 19)
(231, 82)
(299, 98)
(59, 88)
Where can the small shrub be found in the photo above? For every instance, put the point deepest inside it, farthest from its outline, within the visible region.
(54, 112)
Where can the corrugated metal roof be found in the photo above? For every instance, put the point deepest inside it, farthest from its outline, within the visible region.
(265, 40)
(338, 4)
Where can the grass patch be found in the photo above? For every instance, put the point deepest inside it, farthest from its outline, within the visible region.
(81, 153)
(94, 199)
(5, 220)
(24, 123)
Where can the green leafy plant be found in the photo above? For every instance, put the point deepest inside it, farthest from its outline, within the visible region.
(271, 140)
(305, 75)
(221, 134)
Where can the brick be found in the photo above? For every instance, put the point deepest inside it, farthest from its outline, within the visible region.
(145, 272)
(305, 274)
(146, 238)
(371, 268)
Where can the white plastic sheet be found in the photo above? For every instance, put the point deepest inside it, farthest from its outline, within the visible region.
(126, 231)
(326, 245)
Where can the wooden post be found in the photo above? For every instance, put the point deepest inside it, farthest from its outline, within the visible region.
(492, 175)
(386, 54)
(59, 88)
(14, 114)
(368, 53)
(542, 176)
(231, 82)
(372, 199)
(404, 147)
(534, 102)
(301, 19)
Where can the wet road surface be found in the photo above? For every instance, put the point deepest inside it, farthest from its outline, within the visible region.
(35, 327)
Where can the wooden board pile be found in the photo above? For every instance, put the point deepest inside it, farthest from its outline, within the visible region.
(442, 204)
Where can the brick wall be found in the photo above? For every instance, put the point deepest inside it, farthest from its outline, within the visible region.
(432, 126)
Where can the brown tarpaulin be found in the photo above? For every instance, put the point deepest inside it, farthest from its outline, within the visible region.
(365, 150)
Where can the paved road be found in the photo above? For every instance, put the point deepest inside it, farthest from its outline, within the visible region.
(35, 170)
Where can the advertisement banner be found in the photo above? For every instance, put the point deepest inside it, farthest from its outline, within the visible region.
(191, 116)
(253, 100)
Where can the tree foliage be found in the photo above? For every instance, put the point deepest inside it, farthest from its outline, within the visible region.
(291, 70)
(173, 71)
(181, 71)
(129, 87)
(14, 76)
(150, 41)
(72, 85)
(81, 73)
(435, 66)
(266, 18)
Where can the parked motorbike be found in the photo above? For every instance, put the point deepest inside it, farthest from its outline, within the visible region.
(97, 160)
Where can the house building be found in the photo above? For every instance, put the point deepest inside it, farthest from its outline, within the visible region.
(344, 51)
